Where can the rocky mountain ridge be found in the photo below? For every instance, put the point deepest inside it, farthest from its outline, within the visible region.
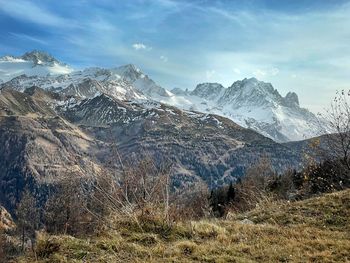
(251, 103)
(56, 125)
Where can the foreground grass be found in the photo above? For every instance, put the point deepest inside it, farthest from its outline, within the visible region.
(314, 230)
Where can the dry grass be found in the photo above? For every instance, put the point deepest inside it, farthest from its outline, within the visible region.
(315, 230)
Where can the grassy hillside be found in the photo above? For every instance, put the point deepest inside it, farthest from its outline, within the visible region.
(314, 230)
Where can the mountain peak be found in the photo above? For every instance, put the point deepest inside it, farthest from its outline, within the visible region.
(208, 90)
(128, 72)
(39, 57)
(250, 80)
(179, 91)
(33, 63)
(253, 85)
(292, 99)
(131, 68)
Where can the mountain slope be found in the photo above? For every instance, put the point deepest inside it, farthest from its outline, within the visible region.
(17, 103)
(83, 84)
(253, 104)
(37, 147)
(201, 146)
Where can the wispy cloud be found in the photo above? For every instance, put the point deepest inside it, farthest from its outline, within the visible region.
(30, 11)
(24, 37)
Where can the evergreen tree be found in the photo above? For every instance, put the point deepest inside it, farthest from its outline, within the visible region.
(231, 193)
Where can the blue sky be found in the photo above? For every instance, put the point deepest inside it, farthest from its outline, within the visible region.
(301, 46)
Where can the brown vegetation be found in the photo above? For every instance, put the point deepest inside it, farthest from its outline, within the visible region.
(314, 230)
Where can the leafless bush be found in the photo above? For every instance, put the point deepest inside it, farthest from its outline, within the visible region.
(137, 192)
(253, 187)
(28, 217)
(191, 203)
(64, 210)
(338, 130)
(259, 184)
(330, 170)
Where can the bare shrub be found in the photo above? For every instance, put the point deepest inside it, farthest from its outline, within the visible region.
(46, 246)
(334, 148)
(253, 186)
(28, 217)
(327, 176)
(64, 210)
(338, 132)
(284, 186)
(190, 203)
(138, 192)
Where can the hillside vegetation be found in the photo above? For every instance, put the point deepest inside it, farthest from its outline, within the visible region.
(312, 230)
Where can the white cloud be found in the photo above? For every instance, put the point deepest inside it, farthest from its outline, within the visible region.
(141, 46)
(259, 73)
(210, 73)
(266, 72)
(237, 71)
(164, 58)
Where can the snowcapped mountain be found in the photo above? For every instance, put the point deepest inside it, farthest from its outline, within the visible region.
(253, 104)
(35, 63)
(209, 91)
(140, 81)
(250, 103)
(87, 83)
(40, 69)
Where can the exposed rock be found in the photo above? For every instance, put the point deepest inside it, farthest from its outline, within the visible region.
(246, 222)
(6, 221)
(291, 99)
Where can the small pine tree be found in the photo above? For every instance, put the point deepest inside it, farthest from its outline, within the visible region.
(231, 193)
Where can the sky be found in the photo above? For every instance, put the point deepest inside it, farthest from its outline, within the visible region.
(297, 45)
